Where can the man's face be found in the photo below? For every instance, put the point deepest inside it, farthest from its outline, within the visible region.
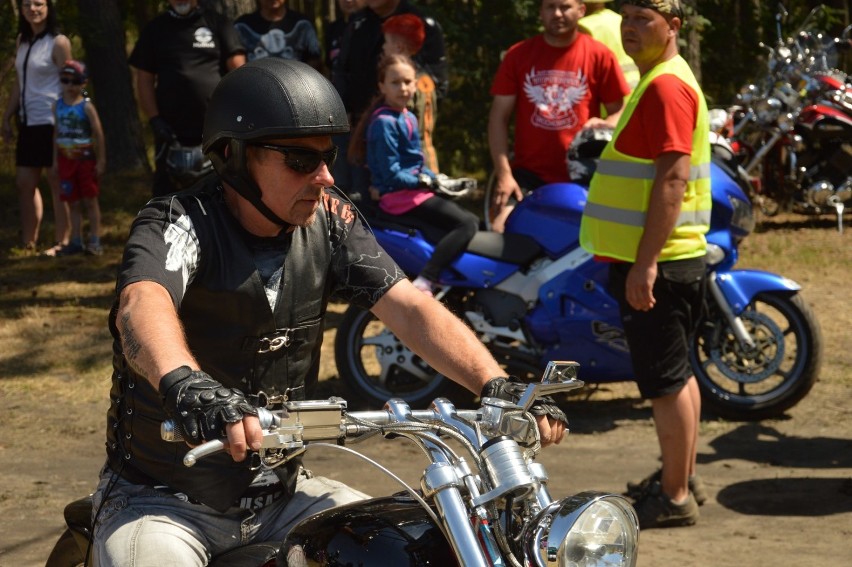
(273, 4)
(560, 17)
(292, 195)
(350, 6)
(645, 33)
(183, 7)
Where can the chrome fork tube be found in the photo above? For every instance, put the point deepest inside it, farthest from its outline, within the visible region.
(764, 149)
(441, 483)
(737, 326)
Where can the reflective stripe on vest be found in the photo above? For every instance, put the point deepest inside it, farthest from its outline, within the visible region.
(616, 210)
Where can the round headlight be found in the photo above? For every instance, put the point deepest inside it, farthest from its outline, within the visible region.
(590, 529)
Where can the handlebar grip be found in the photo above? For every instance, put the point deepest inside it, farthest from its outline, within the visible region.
(169, 430)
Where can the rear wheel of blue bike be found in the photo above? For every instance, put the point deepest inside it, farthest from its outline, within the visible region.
(375, 366)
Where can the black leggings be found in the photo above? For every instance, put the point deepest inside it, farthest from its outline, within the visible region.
(460, 226)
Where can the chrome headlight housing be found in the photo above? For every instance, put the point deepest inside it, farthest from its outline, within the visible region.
(590, 529)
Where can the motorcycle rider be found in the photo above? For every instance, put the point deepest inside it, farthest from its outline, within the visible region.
(647, 212)
(220, 302)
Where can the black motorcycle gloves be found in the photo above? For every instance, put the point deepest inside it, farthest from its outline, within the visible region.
(511, 389)
(201, 405)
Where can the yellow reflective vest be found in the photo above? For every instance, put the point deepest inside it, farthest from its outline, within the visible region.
(614, 216)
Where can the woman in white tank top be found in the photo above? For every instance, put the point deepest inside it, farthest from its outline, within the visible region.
(40, 55)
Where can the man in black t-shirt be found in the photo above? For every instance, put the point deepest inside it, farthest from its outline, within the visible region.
(274, 30)
(221, 299)
(179, 58)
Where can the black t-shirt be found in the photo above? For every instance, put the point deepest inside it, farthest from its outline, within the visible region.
(354, 74)
(187, 54)
(293, 37)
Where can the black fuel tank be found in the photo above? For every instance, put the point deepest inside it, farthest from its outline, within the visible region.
(392, 530)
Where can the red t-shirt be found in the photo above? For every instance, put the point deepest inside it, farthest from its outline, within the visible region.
(663, 120)
(558, 89)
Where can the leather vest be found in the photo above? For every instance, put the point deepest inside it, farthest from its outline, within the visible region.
(237, 339)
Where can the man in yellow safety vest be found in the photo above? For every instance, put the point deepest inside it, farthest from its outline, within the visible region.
(647, 213)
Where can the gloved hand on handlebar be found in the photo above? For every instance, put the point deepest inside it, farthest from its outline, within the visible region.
(511, 389)
(201, 405)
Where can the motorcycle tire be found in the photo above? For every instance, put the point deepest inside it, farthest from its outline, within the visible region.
(375, 366)
(66, 552)
(743, 384)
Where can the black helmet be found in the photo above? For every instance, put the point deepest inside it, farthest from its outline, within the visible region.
(584, 151)
(267, 98)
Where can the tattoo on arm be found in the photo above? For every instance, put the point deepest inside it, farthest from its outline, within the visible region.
(130, 345)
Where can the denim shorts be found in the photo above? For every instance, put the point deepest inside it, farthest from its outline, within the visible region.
(659, 339)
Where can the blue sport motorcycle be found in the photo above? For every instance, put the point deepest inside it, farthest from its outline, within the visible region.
(533, 295)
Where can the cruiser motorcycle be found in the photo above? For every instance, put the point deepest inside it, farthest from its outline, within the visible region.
(532, 294)
(483, 500)
(792, 131)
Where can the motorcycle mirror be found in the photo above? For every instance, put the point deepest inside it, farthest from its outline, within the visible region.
(559, 376)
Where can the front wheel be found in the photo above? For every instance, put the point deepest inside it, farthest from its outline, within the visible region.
(746, 384)
(375, 366)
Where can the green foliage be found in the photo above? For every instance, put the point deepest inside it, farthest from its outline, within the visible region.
(476, 32)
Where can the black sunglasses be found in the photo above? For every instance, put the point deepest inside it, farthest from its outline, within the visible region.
(66, 81)
(303, 160)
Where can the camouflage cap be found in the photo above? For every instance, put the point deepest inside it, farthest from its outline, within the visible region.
(671, 7)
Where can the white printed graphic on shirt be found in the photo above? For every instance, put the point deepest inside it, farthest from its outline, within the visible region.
(555, 93)
(204, 38)
(182, 243)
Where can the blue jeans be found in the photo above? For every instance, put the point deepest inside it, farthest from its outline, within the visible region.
(146, 527)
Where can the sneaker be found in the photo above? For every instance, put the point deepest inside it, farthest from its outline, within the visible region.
(70, 249)
(424, 285)
(635, 490)
(94, 249)
(656, 510)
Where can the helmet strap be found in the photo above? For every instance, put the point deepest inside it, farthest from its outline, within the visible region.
(232, 170)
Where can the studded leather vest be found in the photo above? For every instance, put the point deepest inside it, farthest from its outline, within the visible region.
(237, 339)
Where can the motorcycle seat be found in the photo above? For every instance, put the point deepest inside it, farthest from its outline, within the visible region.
(517, 249)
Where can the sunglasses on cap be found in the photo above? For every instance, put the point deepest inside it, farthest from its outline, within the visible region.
(70, 81)
(303, 160)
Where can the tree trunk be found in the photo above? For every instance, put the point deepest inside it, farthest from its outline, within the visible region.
(102, 32)
(693, 41)
(231, 8)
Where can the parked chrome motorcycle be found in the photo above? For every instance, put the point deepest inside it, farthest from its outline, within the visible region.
(483, 500)
(793, 129)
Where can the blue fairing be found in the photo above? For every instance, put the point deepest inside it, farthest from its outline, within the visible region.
(551, 215)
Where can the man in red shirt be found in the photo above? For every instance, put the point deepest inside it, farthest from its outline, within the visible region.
(554, 84)
(647, 211)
